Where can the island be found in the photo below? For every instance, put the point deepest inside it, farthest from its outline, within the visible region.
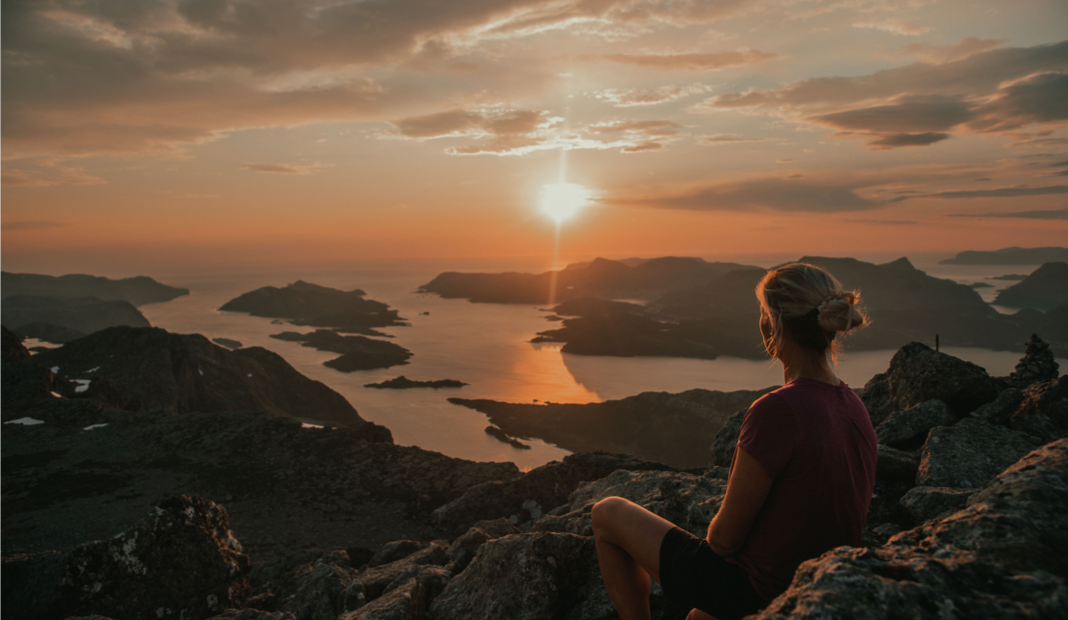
(357, 352)
(227, 342)
(1045, 288)
(404, 383)
(1009, 256)
(312, 305)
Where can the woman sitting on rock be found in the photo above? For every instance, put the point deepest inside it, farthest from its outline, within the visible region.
(800, 481)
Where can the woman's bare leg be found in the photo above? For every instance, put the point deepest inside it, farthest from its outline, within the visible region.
(628, 541)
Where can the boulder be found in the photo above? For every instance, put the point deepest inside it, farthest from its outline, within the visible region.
(896, 464)
(1002, 556)
(322, 591)
(1001, 408)
(386, 577)
(541, 575)
(408, 602)
(181, 561)
(393, 551)
(1038, 365)
(533, 494)
(918, 373)
(969, 454)
(1044, 410)
(465, 548)
(929, 502)
(904, 425)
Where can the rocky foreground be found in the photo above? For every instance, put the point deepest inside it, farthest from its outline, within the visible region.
(969, 520)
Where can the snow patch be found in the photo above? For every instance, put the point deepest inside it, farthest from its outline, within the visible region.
(25, 421)
(93, 369)
(83, 385)
(92, 426)
(55, 370)
(201, 371)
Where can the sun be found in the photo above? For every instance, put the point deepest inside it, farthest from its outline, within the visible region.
(561, 201)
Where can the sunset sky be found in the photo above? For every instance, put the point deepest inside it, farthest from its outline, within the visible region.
(143, 133)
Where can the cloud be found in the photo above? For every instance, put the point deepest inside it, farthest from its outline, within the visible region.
(1000, 192)
(885, 222)
(1044, 214)
(51, 174)
(518, 132)
(30, 225)
(771, 194)
(939, 54)
(897, 140)
(997, 91)
(632, 97)
(726, 138)
(690, 62)
(894, 26)
(283, 168)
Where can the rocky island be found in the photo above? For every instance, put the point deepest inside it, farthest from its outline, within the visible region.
(357, 352)
(1046, 288)
(404, 383)
(261, 517)
(312, 305)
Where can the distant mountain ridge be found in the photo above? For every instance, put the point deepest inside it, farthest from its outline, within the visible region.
(1009, 256)
(1044, 289)
(139, 290)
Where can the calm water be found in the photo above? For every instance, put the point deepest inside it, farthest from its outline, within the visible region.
(486, 345)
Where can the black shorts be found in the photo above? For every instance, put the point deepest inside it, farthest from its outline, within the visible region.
(692, 574)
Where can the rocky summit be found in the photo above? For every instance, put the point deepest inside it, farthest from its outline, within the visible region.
(260, 517)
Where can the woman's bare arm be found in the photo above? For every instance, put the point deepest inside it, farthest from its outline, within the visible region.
(747, 489)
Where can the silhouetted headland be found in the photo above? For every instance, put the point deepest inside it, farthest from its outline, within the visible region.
(139, 290)
(1009, 256)
(1045, 289)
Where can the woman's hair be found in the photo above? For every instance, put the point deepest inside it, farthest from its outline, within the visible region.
(809, 304)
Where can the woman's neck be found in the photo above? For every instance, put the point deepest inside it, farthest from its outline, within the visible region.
(798, 363)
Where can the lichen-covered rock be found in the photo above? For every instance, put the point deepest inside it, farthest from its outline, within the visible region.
(1004, 556)
(407, 602)
(182, 561)
(906, 424)
(969, 454)
(725, 441)
(918, 373)
(896, 464)
(1038, 365)
(463, 549)
(380, 579)
(1044, 410)
(1001, 408)
(533, 494)
(542, 575)
(929, 502)
(322, 591)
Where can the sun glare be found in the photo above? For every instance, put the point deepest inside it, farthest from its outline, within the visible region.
(561, 201)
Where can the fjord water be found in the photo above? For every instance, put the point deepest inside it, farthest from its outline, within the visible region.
(487, 346)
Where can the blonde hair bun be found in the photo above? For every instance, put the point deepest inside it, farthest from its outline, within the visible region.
(839, 313)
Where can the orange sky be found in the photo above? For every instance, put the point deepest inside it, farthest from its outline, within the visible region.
(156, 134)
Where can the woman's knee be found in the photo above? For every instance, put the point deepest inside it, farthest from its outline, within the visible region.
(604, 513)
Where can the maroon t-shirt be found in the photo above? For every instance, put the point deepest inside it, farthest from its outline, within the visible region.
(817, 442)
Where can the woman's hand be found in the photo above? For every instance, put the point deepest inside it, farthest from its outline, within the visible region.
(747, 489)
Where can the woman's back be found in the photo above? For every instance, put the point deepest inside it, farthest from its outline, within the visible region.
(816, 440)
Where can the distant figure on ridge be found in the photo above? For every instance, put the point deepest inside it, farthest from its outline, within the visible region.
(799, 485)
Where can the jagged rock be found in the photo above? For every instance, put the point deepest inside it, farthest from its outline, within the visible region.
(521, 577)
(1001, 408)
(901, 426)
(378, 580)
(1044, 410)
(929, 502)
(407, 602)
(918, 373)
(1003, 557)
(896, 464)
(463, 549)
(969, 454)
(322, 591)
(726, 440)
(179, 373)
(1038, 365)
(181, 561)
(533, 494)
(393, 551)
